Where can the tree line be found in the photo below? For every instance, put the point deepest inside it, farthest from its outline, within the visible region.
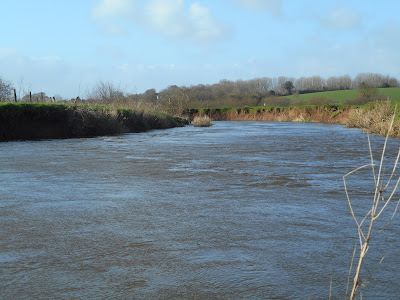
(259, 91)
(252, 92)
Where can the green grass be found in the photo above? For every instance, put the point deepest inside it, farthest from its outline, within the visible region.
(344, 95)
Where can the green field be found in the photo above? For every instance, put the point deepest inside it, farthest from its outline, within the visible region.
(344, 95)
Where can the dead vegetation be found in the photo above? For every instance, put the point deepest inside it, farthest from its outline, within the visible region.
(383, 199)
(374, 118)
(202, 121)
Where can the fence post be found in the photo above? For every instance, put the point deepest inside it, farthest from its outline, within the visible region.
(30, 97)
(15, 95)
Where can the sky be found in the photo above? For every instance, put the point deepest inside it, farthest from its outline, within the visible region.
(65, 47)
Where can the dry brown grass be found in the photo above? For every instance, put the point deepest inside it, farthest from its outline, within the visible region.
(202, 121)
(376, 119)
(384, 198)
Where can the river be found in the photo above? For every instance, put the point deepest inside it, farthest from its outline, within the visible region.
(237, 210)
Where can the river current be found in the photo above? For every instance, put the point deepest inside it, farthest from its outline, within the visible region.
(238, 210)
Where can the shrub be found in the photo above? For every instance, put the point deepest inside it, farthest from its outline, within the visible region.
(202, 121)
(374, 118)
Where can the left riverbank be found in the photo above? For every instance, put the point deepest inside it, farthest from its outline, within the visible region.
(29, 121)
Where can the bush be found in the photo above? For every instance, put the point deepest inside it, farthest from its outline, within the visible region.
(374, 118)
(202, 121)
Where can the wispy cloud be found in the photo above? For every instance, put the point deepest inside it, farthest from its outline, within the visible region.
(342, 18)
(106, 8)
(272, 6)
(170, 18)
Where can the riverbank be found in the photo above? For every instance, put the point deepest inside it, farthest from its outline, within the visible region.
(323, 114)
(26, 121)
(373, 117)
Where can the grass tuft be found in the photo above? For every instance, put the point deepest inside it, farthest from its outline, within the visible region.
(202, 121)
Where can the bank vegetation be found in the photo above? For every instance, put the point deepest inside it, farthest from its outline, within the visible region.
(108, 109)
(30, 121)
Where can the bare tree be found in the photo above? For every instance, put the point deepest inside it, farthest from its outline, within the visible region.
(374, 80)
(150, 96)
(6, 89)
(106, 93)
(175, 99)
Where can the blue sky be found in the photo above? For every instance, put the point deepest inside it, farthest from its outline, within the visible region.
(65, 47)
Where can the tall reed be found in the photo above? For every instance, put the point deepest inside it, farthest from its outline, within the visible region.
(374, 118)
(384, 191)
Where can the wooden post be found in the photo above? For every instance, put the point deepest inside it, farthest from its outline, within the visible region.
(15, 95)
(30, 97)
(54, 99)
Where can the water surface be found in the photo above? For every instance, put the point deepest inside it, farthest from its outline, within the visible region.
(238, 210)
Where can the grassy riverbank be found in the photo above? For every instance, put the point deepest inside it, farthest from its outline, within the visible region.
(373, 117)
(310, 113)
(26, 121)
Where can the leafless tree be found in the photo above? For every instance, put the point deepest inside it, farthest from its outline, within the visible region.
(106, 93)
(6, 89)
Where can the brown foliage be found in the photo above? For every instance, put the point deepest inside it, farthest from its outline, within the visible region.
(375, 120)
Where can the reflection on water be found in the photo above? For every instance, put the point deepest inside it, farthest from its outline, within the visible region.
(237, 210)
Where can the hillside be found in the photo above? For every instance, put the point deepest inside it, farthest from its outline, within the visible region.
(344, 95)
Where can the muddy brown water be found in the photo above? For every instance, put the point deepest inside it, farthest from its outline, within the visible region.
(238, 210)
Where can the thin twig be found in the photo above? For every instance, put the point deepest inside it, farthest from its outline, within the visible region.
(389, 199)
(372, 158)
(375, 212)
(351, 268)
(394, 213)
(394, 169)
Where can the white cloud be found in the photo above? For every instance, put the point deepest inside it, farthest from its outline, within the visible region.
(169, 18)
(375, 52)
(343, 18)
(49, 74)
(111, 8)
(273, 6)
(207, 27)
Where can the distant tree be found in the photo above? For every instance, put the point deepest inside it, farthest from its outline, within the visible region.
(280, 87)
(311, 84)
(150, 96)
(40, 97)
(200, 93)
(106, 92)
(59, 98)
(288, 86)
(345, 82)
(175, 99)
(393, 82)
(6, 89)
(367, 91)
(374, 80)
